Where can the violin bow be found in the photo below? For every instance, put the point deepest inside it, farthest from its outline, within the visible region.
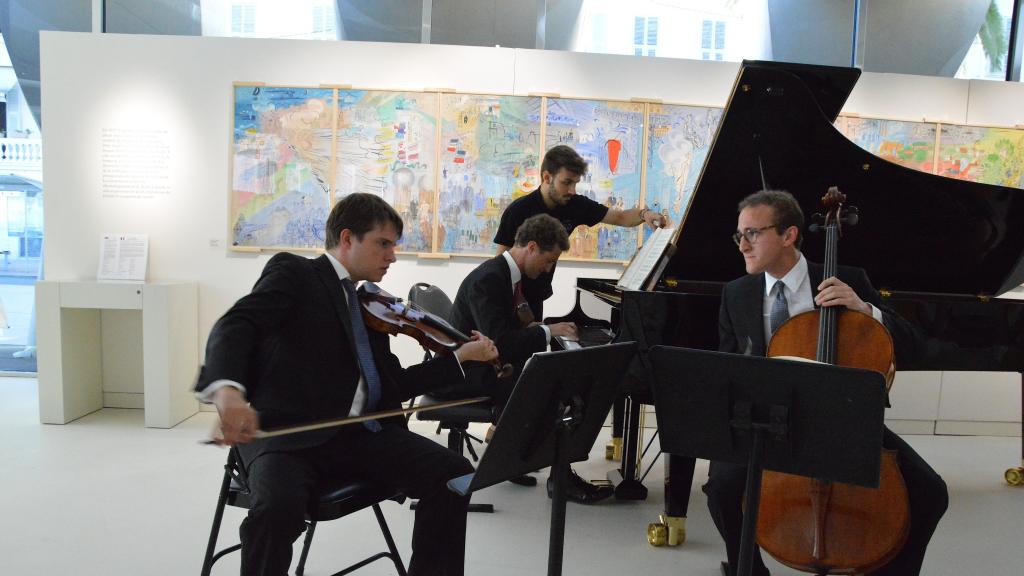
(336, 423)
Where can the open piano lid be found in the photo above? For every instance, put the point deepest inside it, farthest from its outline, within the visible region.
(917, 232)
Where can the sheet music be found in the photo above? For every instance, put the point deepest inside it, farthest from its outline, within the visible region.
(646, 259)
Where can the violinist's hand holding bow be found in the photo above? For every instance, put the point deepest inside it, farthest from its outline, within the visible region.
(834, 292)
(238, 421)
(480, 348)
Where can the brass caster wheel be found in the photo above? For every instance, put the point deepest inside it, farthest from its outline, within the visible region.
(1015, 476)
(613, 451)
(667, 531)
(676, 529)
(657, 534)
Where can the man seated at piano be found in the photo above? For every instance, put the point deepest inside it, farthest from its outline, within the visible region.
(561, 170)
(781, 283)
(490, 300)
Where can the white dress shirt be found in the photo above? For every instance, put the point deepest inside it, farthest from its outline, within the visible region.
(799, 296)
(517, 276)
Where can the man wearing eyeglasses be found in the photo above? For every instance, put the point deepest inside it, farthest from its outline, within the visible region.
(781, 283)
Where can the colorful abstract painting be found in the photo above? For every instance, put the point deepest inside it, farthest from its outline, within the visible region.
(678, 140)
(909, 144)
(609, 136)
(387, 145)
(489, 156)
(981, 154)
(281, 152)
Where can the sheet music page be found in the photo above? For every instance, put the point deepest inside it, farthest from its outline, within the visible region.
(645, 261)
(123, 257)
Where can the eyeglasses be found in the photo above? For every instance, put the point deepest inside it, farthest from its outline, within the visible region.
(750, 234)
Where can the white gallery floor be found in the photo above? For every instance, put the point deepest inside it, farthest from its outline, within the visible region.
(106, 496)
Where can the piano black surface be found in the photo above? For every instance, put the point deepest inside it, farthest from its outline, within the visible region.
(938, 248)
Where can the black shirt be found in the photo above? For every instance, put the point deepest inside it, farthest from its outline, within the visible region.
(579, 211)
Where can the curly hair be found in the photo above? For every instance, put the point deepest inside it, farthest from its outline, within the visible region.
(543, 229)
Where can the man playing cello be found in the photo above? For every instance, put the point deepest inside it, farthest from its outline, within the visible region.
(781, 283)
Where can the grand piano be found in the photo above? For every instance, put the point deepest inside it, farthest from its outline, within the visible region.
(939, 250)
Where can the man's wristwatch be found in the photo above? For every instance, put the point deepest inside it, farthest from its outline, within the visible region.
(643, 211)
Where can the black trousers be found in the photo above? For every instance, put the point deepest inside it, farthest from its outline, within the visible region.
(282, 482)
(927, 491)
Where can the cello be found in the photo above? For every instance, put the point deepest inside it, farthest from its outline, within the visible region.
(815, 525)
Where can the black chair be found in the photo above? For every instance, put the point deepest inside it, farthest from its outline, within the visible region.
(332, 502)
(455, 420)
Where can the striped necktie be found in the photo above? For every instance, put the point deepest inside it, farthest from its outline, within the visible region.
(780, 307)
(364, 353)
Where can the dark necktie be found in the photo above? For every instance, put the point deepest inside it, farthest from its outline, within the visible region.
(364, 353)
(522, 308)
(780, 307)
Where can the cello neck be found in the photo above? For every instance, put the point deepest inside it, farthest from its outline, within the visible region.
(827, 318)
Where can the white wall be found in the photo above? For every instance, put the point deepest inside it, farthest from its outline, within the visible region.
(183, 85)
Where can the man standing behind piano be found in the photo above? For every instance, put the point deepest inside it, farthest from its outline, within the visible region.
(781, 283)
(490, 301)
(561, 170)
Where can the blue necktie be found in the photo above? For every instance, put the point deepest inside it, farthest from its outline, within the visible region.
(780, 307)
(364, 353)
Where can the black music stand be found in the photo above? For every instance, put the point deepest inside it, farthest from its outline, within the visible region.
(803, 418)
(552, 419)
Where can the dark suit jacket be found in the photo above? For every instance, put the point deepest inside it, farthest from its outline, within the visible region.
(741, 316)
(485, 302)
(289, 342)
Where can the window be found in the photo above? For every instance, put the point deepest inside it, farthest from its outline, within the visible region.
(323, 21)
(243, 18)
(986, 57)
(307, 19)
(724, 29)
(712, 37)
(645, 35)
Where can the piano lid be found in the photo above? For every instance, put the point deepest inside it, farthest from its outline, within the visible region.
(918, 232)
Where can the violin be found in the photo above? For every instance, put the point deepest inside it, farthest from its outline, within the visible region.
(388, 314)
(815, 525)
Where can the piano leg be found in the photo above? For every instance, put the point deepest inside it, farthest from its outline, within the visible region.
(613, 451)
(670, 529)
(625, 478)
(1015, 476)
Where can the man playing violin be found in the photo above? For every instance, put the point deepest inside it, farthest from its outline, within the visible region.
(295, 350)
(781, 283)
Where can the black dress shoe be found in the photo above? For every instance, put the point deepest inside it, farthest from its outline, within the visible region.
(524, 480)
(728, 570)
(579, 490)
